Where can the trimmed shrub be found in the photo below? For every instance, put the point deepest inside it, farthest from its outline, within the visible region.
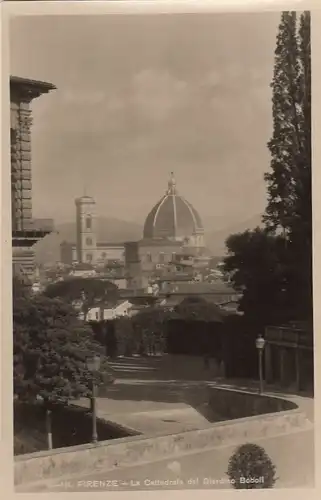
(250, 467)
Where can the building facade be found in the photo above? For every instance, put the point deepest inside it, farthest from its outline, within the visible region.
(87, 250)
(173, 232)
(144, 258)
(174, 218)
(25, 233)
(289, 357)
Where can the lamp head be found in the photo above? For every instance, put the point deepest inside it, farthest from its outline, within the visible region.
(93, 363)
(260, 342)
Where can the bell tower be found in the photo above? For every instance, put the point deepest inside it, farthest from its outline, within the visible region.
(86, 229)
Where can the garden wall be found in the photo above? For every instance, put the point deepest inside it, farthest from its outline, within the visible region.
(228, 404)
(39, 468)
(71, 425)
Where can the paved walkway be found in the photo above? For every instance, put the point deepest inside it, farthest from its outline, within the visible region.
(155, 408)
(167, 394)
(156, 397)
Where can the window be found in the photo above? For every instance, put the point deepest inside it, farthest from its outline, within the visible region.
(173, 256)
(88, 222)
(89, 242)
(161, 257)
(97, 315)
(89, 257)
(149, 257)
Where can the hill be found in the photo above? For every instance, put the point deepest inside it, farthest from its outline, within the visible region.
(108, 230)
(118, 231)
(215, 240)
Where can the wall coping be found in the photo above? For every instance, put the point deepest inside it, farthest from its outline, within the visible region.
(147, 437)
(250, 392)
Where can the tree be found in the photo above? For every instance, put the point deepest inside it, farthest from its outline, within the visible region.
(50, 350)
(289, 180)
(87, 290)
(149, 327)
(250, 467)
(273, 266)
(255, 263)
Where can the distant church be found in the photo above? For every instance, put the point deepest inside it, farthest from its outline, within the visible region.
(87, 249)
(172, 227)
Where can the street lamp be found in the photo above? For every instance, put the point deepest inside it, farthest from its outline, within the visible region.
(260, 343)
(93, 365)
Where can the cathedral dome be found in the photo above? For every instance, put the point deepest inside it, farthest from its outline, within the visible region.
(173, 217)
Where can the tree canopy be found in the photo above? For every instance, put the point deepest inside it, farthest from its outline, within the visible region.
(88, 290)
(255, 263)
(50, 350)
(273, 266)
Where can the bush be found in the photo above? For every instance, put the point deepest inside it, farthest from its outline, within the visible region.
(250, 467)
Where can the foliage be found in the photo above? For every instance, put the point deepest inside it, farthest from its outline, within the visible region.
(273, 266)
(50, 350)
(289, 181)
(124, 333)
(198, 309)
(255, 262)
(193, 314)
(250, 467)
(88, 290)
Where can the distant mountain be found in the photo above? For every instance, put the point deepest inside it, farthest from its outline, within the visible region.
(109, 230)
(112, 230)
(215, 240)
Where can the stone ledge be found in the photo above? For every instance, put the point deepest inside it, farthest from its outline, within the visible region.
(124, 452)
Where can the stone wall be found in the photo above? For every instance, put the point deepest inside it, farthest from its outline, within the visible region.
(71, 426)
(64, 463)
(228, 404)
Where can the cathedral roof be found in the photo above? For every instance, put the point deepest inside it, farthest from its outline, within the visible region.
(172, 216)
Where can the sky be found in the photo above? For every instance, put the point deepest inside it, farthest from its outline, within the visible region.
(139, 96)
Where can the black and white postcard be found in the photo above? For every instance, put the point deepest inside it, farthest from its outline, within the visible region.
(157, 171)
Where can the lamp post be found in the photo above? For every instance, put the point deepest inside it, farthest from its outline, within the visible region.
(93, 365)
(260, 343)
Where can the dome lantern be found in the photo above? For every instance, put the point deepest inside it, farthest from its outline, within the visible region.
(171, 184)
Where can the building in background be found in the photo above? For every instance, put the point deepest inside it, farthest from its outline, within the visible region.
(173, 235)
(147, 258)
(87, 250)
(25, 233)
(175, 219)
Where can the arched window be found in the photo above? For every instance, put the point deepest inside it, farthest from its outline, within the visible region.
(88, 222)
